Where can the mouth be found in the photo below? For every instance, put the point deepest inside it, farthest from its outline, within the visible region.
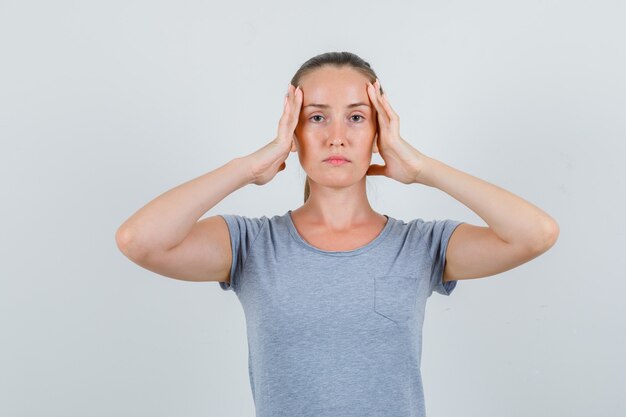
(336, 161)
(336, 158)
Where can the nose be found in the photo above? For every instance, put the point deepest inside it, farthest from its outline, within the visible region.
(337, 141)
(336, 134)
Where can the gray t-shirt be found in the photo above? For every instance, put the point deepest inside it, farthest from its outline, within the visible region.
(336, 333)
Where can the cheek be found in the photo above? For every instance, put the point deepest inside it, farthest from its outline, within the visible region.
(368, 131)
(305, 129)
(309, 135)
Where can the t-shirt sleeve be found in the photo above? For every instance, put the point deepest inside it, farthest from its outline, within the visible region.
(437, 234)
(243, 232)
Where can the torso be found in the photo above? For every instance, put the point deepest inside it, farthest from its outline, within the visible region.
(323, 239)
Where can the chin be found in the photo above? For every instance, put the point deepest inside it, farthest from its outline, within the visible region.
(336, 180)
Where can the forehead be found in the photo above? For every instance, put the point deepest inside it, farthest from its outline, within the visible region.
(334, 85)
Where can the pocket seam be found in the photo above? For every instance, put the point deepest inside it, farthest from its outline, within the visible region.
(379, 307)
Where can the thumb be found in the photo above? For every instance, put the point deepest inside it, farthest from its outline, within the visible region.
(376, 169)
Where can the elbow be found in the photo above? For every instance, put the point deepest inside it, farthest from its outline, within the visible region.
(122, 238)
(552, 233)
(126, 243)
(547, 237)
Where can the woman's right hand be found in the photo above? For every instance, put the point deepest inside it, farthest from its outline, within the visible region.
(265, 163)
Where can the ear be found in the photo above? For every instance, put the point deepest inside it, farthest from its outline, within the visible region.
(375, 144)
(293, 144)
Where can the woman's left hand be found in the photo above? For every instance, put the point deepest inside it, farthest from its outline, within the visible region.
(403, 162)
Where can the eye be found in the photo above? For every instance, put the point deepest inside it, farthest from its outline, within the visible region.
(317, 115)
(358, 115)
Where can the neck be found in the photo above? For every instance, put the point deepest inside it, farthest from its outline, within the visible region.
(337, 209)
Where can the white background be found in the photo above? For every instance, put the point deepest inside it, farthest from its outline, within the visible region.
(105, 105)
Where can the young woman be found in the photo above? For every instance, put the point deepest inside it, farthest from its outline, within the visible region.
(333, 292)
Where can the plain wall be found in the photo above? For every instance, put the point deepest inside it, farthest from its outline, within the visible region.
(105, 105)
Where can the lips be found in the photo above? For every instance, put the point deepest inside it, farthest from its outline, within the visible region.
(337, 158)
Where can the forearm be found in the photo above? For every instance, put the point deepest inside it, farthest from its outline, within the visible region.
(513, 219)
(165, 221)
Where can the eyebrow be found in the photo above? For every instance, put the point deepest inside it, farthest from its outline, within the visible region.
(326, 106)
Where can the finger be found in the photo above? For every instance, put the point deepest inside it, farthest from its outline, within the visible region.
(376, 169)
(284, 122)
(290, 101)
(290, 91)
(382, 117)
(286, 108)
(393, 116)
(379, 90)
(295, 105)
(291, 113)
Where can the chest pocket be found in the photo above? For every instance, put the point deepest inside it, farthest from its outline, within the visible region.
(395, 297)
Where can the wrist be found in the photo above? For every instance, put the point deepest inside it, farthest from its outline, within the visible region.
(244, 173)
(427, 172)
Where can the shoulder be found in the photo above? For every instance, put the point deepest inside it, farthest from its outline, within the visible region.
(429, 234)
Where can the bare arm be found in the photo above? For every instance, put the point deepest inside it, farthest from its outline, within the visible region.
(165, 235)
(517, 231)
(166, 221)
